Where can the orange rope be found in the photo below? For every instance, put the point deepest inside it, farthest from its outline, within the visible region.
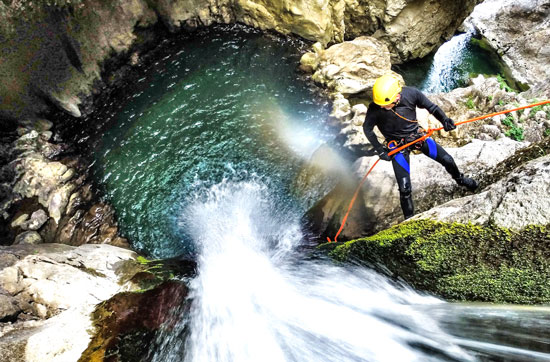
(428, 134)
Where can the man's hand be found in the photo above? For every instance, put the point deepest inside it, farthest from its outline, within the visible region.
(384, 156)
(448, 125)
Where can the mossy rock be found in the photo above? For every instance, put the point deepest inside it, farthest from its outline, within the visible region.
(461, 261)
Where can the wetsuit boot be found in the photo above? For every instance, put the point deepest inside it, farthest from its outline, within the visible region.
(467, 182)
(407, 205)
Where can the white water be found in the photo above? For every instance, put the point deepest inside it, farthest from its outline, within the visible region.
(446, 64)
(253, 301)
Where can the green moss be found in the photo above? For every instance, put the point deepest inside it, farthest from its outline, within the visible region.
(461, 261)
(142, 260)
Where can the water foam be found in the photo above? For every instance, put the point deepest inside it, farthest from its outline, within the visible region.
(252, 300)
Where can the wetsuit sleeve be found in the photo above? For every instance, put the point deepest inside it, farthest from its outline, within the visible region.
(423, 102)
(368, 128)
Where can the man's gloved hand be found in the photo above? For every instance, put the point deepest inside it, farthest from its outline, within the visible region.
(448, 124)
(384, 156)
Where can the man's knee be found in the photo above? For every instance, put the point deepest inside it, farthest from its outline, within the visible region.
(405, 188)
(448, 160)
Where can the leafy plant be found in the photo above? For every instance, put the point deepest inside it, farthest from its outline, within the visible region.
(470, 103)
(503, 85)
(508, 121)
(515, 133)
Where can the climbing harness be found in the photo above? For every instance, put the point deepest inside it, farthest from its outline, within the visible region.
(428, 133)
(410, 138)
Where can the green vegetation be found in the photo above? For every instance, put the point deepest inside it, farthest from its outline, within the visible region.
(503, 84)
(536, 108)
(461, 262)
(470, 103)
(514, 132)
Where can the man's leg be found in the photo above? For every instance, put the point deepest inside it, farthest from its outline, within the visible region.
(401, 169)
(438, 153)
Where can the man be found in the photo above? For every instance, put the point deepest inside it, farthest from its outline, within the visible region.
(394, 113)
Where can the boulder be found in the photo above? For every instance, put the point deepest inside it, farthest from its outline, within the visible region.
(460, 262)
(28, 237)
(518, 31)
(58, 287)
(37, 220)
(352, 67)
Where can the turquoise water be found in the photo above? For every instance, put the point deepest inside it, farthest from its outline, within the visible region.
(224, 103)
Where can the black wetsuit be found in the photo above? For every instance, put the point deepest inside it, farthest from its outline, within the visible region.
(403, 130)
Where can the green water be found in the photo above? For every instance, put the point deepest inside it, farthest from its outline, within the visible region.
(221, 103)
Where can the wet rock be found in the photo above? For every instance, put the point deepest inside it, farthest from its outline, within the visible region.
(91, 225)
(463, 262)
(28, 237)
(126, 324)
(67, 229)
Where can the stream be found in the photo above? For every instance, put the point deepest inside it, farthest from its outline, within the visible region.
(198, 157)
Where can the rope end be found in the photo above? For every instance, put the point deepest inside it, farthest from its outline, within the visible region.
(330, 241)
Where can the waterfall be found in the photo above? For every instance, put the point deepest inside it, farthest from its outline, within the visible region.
(255, 299)
(445, 70)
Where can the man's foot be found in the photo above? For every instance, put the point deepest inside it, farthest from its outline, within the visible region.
(467, 182)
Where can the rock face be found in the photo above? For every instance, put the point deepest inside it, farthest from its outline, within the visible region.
(48, 293)
(55, 203)
(517, 201)
(411, 29)
(56, 53)
(518, 31)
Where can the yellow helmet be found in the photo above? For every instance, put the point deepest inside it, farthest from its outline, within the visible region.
(385, 90)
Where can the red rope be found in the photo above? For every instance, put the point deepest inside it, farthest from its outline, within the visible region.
(428, 134)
